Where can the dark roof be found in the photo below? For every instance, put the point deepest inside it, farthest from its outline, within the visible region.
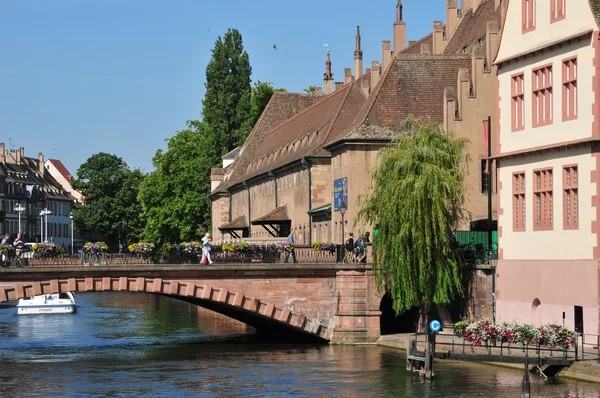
(305, 134)
(61, 169)
(27, 172)
(415, 48)
(239, 223)
(281, 107)
(322, 209)
(412, 85)
(276, 215)
(472, 27)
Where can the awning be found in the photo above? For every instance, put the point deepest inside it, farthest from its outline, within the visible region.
(239, 224)
(274, 220)
(320, 210)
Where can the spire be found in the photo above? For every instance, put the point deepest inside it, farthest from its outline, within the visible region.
(399, 11)
(358, 52)
(328, 76)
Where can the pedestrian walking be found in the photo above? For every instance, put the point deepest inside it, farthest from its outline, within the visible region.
(290, 249)
(206, 249)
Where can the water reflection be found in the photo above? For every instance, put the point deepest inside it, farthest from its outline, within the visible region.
(126, 344)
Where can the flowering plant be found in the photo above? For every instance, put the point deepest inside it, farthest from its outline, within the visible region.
(3, 249)
(95, 248)
(187, 247)
(324, 247)
(483, 332)
(141, 248)
(47, 250)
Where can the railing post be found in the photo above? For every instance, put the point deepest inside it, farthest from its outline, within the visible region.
(526, 383)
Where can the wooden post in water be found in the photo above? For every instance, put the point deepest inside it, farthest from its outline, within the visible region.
(409, 364)
(429, 355)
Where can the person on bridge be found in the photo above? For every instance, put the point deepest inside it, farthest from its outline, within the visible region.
(290, 249)
(206, 249)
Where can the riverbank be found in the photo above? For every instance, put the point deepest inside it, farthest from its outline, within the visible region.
(584, 371)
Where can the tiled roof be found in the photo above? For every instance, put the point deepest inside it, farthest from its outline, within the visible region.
(412, 85)
(304, 134)
(27, 172)
(276, 215)
(596, 9)
(61, 169)
(472, 27)
(415, 48)
(239, 223)
(281, 107)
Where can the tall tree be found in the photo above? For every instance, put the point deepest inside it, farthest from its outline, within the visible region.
(111, 209)
(414, 257)
(174, 197)
(226, 104)
(311, 90)
(261, 95)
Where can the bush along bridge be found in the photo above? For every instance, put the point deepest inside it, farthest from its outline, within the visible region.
(546, 349)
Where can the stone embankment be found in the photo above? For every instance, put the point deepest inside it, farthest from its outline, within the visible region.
(583, 370)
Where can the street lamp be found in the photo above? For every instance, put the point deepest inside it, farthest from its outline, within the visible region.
(19, 209)
(45, 213)
(343, 212)
(71, 217)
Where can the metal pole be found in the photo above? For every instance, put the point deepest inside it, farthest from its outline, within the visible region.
(19, 211)
(489, 183)
(343, 240)
(72, 236)
(46, 225)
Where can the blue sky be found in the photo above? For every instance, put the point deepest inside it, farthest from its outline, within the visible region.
(79, 77)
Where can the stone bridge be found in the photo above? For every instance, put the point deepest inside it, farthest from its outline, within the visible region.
(335, 303)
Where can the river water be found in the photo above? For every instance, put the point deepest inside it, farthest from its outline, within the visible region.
(131, 345)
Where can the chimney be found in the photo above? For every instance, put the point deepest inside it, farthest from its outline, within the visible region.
(318, 91)
(374, 74)
(477, 67)
(425, 48)
(328, 76)
(399, 30)
(358, 56)
(492, 41)
(41, 163)
(386, 55)
(20, 155)
(466, 5)
(338, 85)
(347, 75)
(451, 17)
(2, 153)
(216, 177)
(438, 37)
(365, 87)
(412, 42)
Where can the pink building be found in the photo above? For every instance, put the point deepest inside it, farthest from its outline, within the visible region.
(548, 162)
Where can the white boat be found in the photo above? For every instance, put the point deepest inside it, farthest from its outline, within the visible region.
(58, 303)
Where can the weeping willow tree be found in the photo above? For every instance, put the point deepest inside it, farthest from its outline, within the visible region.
(417, 199)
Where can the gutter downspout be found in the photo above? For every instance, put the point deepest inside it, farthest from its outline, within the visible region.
(229, 196)
(271, 175)
(306, 163)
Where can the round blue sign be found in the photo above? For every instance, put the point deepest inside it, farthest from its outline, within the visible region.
(435, 326)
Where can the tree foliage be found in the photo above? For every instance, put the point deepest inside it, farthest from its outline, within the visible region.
(226, 104)
(111, 209)
(310, 90)
(174, 197)
(417, 199)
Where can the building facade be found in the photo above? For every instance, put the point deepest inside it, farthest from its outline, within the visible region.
(26, 184)
(548, 158)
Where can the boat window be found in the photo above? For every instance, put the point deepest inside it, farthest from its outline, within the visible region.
(63, 296)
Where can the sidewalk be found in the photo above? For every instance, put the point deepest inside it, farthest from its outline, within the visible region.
(588, 370)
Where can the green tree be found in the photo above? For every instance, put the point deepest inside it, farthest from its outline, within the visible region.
(111, 207)
(310, 90)
(261, 95)
(226, 104)
(174, 197)
(417, 199)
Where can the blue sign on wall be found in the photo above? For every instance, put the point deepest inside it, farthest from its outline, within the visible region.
(340, 193)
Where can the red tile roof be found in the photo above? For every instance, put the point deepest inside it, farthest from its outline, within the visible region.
(412, 85)
(239, 223)
(281, 107)
(304, 134)
(472, 27)
(61, 169)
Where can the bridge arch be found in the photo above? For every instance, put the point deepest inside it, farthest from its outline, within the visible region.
(278, 320)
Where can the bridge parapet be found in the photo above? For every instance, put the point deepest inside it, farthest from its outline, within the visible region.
(325, 302)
